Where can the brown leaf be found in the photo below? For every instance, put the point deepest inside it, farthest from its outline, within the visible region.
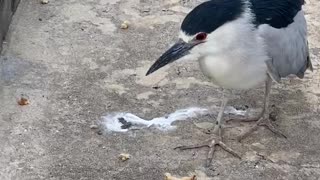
(23, 101)
(169, 177)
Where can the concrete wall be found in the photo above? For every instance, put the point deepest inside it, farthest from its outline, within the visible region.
(7, 8)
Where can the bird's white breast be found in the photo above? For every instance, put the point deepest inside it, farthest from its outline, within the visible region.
(233, 72)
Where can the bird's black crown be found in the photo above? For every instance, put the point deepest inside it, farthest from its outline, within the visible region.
(210, 15)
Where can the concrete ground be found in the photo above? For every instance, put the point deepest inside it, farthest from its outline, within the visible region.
(74, 64)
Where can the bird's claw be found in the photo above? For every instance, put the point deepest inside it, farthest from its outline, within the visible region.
(263, 121)
(211, 143)
(273, 129)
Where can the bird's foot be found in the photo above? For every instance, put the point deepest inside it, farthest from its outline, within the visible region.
(246, 119)
(211, 143)
(263, 121)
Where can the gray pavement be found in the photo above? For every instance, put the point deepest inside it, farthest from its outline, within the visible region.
(74, 64)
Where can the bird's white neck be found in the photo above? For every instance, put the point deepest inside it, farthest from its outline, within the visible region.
(234, 55)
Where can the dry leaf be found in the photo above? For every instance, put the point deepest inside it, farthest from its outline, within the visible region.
(23, 101)
(124, 156)
(169, 177)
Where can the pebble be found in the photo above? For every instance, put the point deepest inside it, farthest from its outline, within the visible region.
(44, 1)
(124, 25)
(94, 126)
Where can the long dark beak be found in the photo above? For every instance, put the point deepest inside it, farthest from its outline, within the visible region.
(177, 51)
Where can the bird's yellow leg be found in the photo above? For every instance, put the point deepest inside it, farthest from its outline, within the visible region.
(216, 140)
(263, 119)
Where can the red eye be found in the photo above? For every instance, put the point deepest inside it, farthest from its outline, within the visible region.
(201, 36)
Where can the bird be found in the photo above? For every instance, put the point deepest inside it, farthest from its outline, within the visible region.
(240, 45)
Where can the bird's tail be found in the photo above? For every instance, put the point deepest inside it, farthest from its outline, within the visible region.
(309, 64)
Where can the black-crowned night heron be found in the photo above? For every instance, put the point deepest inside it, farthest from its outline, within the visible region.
(241, 44)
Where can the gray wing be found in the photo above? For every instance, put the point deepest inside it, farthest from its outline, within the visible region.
(307, 65)
(287, 48)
